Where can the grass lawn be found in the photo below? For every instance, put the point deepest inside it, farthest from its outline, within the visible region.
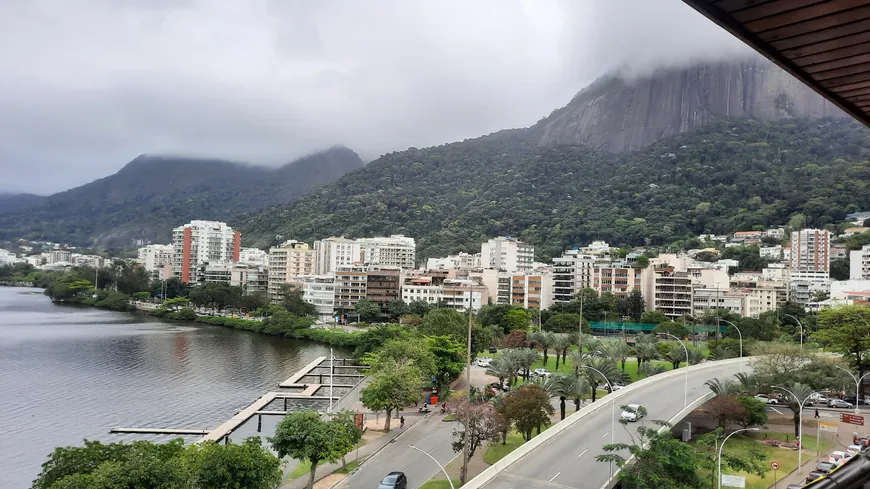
(439, 484)
(786, 458)
(303, 468)
(349, 468)
(497, 451)
(631, 367)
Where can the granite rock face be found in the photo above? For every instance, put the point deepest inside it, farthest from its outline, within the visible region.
(617, 114)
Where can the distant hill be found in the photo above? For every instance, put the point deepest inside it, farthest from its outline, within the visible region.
(617, 114)
(729, 175)
(14, 202)
(153, 194)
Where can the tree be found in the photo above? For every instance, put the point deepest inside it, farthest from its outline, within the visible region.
(553, 387)
(543, 340)
(418, 308)
(616, 350)
(723, 388)
(528, 408)
(631, 305)
(411, 351)
(480, 426)
(673, 328)
(840, 269)
(494, 315)
(449, 358)
(366, 311)
(725, 409)
(562, 342)
(142, 296)
(611, 373)
(347, 419)
(574, 386)
(707, 454)
(397, 309)
(846, 330)
(653, 317)
(304, 436)
(675, 354)
(452, 323)
(660, 460)
(566, 323)
(503, 368)
(641, 262)
(650, 369)
(231, 466)
(291, 299)
(517, 319)
(754, 412)
(516, 339)
(390, 389)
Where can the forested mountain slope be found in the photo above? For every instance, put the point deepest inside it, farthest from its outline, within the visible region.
(723, 177)
(14, 202)
(153, 194)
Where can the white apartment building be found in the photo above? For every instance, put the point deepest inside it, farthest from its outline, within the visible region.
(460, 294)
(335, 252)
(810, 251)
(59, 256)
(668, 291)
(704, 300)
(506, 253)
(7, 258)
(771, 252)
(776, 233)
(254, 256)
(421, 289)
(533, 290)
(200, 242)
(616, 279)
(572, 272)
(596, 248)
(765, 291)
(156, 258)
(287, 261)
(392, 251)
(859, 263)
(460, 261)
(250, 278)
(319, 290)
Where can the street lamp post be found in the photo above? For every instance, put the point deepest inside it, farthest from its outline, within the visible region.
(723, 446)
(686, 386)
(437, 462)
(465, 454)
(857, 384)
(801, 403)
(801, 326)
(612, 410)
(741, 341)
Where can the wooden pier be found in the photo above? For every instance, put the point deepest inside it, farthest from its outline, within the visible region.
(293, 381)
(160, 431)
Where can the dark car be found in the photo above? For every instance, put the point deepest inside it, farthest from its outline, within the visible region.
(793, 486)
(814, 475)
(493, 349)
(825, 467)
(394, 480)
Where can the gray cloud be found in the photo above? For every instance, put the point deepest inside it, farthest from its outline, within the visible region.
(87, 85)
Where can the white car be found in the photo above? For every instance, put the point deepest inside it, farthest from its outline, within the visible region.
(767, 399)
(483, 363)
(541, 372)
(631, 413)
(838, 457)
(854, 449)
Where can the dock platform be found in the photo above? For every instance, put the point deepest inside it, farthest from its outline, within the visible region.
(160, 431)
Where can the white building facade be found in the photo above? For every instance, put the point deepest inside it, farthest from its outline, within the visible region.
(506, 253)
(391, 251)
(200, 242)
(319, 290)
(335, 252)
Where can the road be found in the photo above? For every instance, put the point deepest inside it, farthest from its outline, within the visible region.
(430, 434)
(568, 460)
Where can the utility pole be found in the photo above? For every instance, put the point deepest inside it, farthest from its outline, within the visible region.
(464, 475)
(580, 331)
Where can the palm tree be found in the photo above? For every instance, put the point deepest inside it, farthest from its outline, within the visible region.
(646, 349)
(561, 343)
(579, 358)
(526, 357)
(723, 387)
(721, 353)
(650, 369)
(553, 386)
(607, 368)
(695, 357)
(512, 360)
(748, 383)
(592, 345)
(575, 385)
(802, 391)
(502, 368)
(676, 355)
(616, 351)
(543, 339)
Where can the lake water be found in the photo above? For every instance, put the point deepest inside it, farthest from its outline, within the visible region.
(69, 373)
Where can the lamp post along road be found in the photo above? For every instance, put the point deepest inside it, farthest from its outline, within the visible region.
(801, 326)
(857, 384)
(437, 462)
(801, 403)
(612, 410)
(686, 386)
(468, 395)
(741, 341)
(723, 446)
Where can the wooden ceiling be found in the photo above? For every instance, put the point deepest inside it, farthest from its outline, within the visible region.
(824, 43)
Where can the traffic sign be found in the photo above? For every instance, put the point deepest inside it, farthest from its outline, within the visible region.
(774, 465)
(733, 480)
(825, 426)
(852, 419)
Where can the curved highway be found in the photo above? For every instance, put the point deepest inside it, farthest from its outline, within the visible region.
(567, 459)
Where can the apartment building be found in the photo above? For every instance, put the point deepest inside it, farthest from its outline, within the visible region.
(383, 285)
(59, 256)
(668, 291)
(572, 272)
(532, 290)
(709, 299)
(249, 278)
(254, 256)
(810, 251)
(287, 261)
(460, 294)
(156, 258)
(616, 279)
(200, 242)
(350, 286)
(392, 251)
(461, 261)
(422, 289)
(765, 291)
(506, 253)
(318, 290)
(335, 252)
(859, 263)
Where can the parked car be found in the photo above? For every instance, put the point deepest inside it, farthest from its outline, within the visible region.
(493, 349)
(767, 399)
(815, 474)
(840, 403)
(542, 372)
(794, 486)
(618, 386)
(838, 457)
(394, 480)
(631, 413)
(483, 361)
(825, 467)
(854, 449)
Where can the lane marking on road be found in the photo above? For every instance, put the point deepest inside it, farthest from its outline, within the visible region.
(605, 434)
(777, 410)
(581, 453)
(557, 475)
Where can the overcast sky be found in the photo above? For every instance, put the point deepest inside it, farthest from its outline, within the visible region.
(87, 85)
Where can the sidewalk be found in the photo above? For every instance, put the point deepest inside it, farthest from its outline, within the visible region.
(363, 453)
